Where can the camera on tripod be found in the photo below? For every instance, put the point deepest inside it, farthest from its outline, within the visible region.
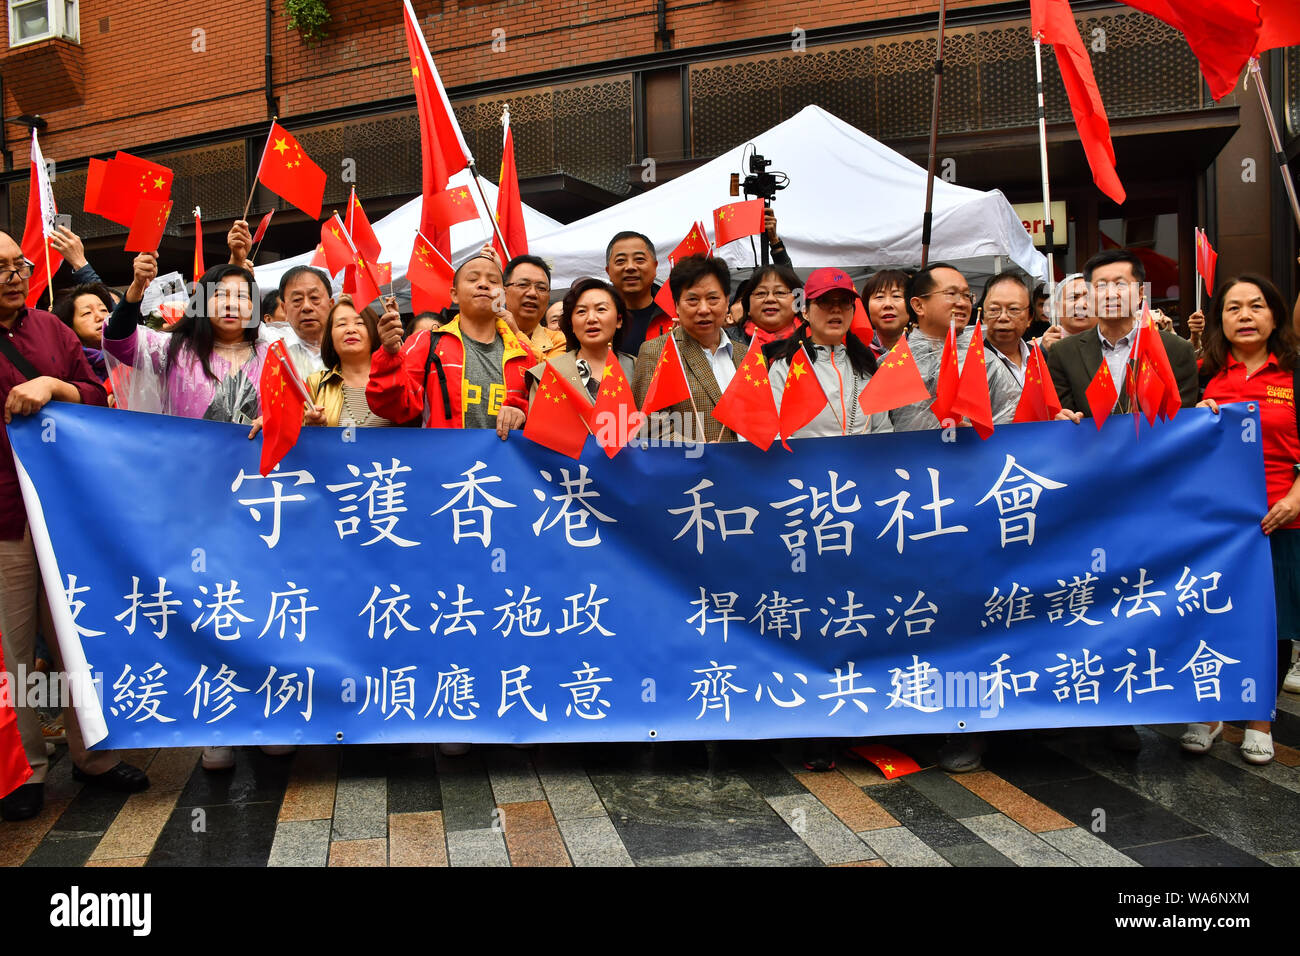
(759, 183)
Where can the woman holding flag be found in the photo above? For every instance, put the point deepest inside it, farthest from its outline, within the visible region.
(592, 318)
(1250, 356)
(209, 365)
(338, 391)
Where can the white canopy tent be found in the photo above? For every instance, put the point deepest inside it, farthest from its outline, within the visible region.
(396, 235)
(851, 202)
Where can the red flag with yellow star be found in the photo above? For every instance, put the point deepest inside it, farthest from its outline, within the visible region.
(737, 220)
(557, 418)
(664, 299)
(804, 397)
(124, 183)
(318, 258)
(361, 281)
(363, 236)
(282, 406)
(972, 399)
(289, 172)
(1033, 404)
(696, 243)
(897, 382)
(148, 225)
(510, 207)
(945, 389)
(14, 769)
(334, 245)
(748, 407)
(614, 418)
(430, 276)
(1101, 394)
(892, 763)
(668, 385)
(449, 207)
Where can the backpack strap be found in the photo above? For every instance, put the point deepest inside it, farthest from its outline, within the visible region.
(431, 359)
(19, 361)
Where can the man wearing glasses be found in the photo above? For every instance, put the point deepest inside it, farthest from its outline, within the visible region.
(528, 292)
(1006, 317)
(40, 361)
(937, 296)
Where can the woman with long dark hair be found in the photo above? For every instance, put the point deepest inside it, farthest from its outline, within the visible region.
(209, 365)
(338, 391)
(1250, 356)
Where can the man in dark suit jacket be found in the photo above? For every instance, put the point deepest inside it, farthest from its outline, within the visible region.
(699, 285)
(1115, 278)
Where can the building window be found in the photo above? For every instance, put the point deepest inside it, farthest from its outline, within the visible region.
(32, 20)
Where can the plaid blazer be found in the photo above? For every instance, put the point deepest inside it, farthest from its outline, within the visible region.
(678, 422)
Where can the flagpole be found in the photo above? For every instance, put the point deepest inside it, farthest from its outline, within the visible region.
(1278, 154)
(1196, 242)
(1042, 159)
(248, 205)
(928, 219)
(49, 273)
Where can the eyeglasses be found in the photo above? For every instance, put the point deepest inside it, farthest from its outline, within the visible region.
(763, 294)
(996, 312)
(23, 271)
(523, 286)
(952, 294)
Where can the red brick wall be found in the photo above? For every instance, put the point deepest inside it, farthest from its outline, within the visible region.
(144, 82)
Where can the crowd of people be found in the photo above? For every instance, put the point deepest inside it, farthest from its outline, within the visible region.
(479, 365)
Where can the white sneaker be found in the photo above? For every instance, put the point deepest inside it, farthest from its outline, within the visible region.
(1292, 683)
(453, 750)
(218, 758)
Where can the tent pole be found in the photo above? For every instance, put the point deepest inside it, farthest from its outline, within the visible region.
(928, 218)
(1047, 192)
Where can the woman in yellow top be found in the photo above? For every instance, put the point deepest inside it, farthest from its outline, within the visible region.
(338, 392)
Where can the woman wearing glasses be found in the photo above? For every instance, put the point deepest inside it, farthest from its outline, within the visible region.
(770, 306)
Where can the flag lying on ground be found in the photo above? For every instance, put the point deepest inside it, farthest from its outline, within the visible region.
(289, 172)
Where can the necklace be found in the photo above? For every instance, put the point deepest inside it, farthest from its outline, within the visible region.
(241, 347)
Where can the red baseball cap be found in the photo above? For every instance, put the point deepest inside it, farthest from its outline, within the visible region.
(827, 280)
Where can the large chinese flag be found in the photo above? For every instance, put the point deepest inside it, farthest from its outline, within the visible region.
(510, 207)
(557, 418)
(1222, 34)
(1281, 25)
(614, 418)
(289, 172)
(897, 382)
(1053, 21)
(748, 406)
(363, 236)
(972, 399)
(945, 389)
(737, 220)
(803, 398)
(668, 384)
(430, 276)
(282, 404)
(443, 152)
(39, 224)
(14, 769)
(444, 209)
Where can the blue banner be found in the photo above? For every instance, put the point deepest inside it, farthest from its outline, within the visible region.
(388, 585)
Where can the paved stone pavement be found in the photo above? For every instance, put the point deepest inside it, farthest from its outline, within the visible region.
(1059, 799)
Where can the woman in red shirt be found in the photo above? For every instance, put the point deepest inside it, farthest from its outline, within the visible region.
(1250, 356)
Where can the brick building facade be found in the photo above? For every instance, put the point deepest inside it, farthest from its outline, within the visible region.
(596, 88)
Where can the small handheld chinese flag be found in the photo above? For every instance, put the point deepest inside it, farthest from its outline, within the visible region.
(557, 419)
(385, 272)
(14, 769)
(361, 281)
(664, 299)
(668, 385)
(748, 406)
(334, 245)
(122, 183)
(614, 418)
(737, 220)
(283, 394)
(1101, 394)
(897, 382)
(861, 326)
(430, 276)
(262, 227)
(1032, 406)
(147, 227)
(696, 243)
(198, 243)
(289, 172)
(1206, 260)
(510, 206)
(972, 399)
(1152, 347)
(318, 257)
(449, 207)
(945, 389)
(363, 236)
(803, 399)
